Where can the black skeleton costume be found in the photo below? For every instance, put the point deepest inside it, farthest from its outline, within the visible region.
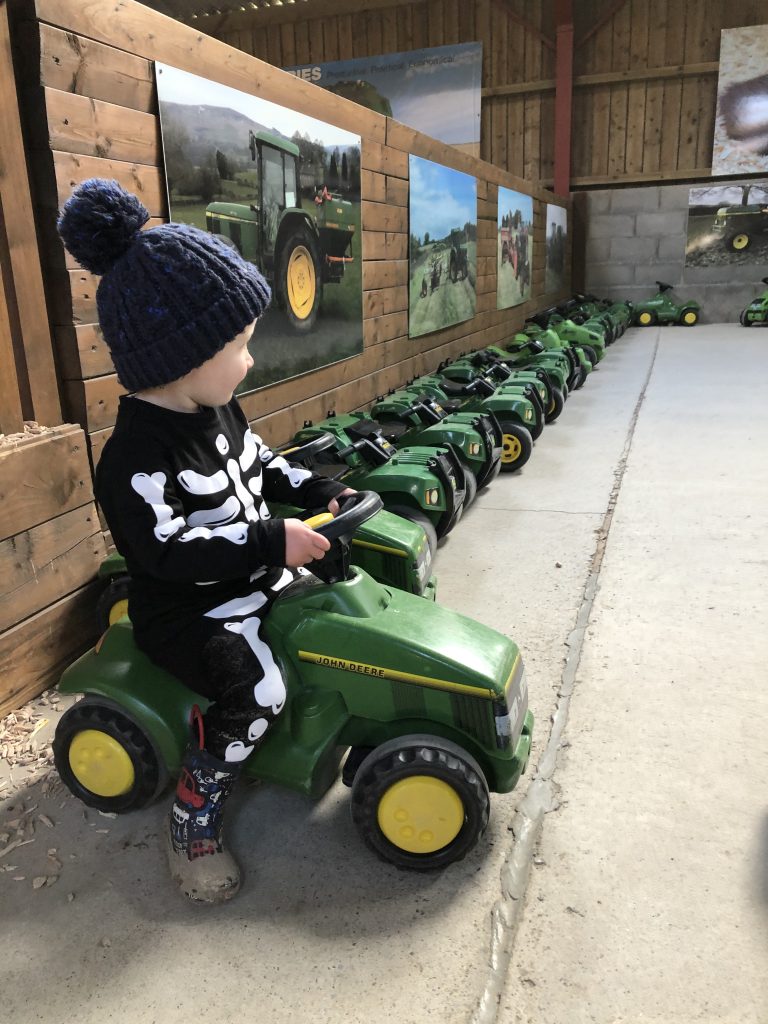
(185, 496)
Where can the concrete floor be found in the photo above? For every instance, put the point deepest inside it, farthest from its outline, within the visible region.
(626, 880)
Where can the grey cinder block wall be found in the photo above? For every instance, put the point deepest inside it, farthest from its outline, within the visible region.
(637, 236)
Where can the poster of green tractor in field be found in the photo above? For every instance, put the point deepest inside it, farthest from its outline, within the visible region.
(443, 247)
(727, 224)
(514, 253)
(557, 247)
(284, 189)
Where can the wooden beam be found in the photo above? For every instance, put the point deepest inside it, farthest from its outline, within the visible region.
(600, 22)
(687, 174)
(239, 21)
(563, 96)
(11, 415)
(608, 78)
(133, 27)
(25, 287)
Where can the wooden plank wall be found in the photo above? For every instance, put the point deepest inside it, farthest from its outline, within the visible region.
(51, 545)
(93, 112)
(645, 73)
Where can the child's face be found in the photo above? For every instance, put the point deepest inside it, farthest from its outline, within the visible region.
(215, 381)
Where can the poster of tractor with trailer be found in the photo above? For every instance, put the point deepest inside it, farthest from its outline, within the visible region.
(556, 248)
(442, 247)
(284, 189)
(514, 253)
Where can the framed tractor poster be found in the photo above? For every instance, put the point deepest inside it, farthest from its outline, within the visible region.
(557, 244)
(442, 271)
(514, 250)
(727, 224)
(740, 144)
(284, 189)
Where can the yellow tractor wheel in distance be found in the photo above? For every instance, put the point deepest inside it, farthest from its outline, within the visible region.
(511, 449)
(301, 282)
(740, 242)
(690, 317)
(645, 319)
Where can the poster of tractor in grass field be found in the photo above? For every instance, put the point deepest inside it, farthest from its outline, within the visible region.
(557, 247)
(443, 247)
(284, 189)
(514, 253)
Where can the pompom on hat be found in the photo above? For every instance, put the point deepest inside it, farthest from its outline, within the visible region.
(170, 297)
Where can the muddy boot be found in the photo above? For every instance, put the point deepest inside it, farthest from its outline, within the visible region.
(201, 867)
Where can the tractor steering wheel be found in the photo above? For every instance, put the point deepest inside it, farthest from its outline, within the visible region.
(306, 449)
(354, 510)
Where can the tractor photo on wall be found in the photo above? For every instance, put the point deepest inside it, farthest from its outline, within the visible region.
(298, 251)
(728, 224)
(514, 248)
(443, 247)
(284, 189)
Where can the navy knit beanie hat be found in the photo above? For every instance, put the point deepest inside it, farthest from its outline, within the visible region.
(170, 297)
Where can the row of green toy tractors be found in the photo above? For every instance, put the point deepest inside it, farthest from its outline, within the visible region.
(756, 312)
(426, 709)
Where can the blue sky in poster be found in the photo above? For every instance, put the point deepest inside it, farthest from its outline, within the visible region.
(509, 201)
(436, 90)
(441, 198)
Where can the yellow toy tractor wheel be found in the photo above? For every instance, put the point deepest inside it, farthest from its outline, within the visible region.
(516, 446)
(420, 802)
(105, 759)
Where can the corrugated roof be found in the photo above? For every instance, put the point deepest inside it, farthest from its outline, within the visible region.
(183, 10)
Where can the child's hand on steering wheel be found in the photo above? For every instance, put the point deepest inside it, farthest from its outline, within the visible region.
(333, 504)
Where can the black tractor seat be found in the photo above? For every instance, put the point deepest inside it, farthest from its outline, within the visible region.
(393, 431)
(452, 387)
(331, 470)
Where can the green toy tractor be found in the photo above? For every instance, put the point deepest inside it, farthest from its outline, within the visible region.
(525, 386)
(756, 312)
(660, 309)
(408, 419)
(391, 549)
(430, 708)
(424, 484)
(536, 328)
(505, 372)
(481, 395)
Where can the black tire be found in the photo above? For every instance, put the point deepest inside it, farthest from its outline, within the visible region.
(419, 757)
(149, 775)
(110, 606)
(743, 319)
(556, 405)
(470, 487)
(688, 317)
(517, 446)
(415, 516)
(300, 306)
(590, 353)
(579, 377)
(645, 318)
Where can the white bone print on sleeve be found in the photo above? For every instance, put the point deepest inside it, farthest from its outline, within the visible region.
(296, 475)
(152, 489)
